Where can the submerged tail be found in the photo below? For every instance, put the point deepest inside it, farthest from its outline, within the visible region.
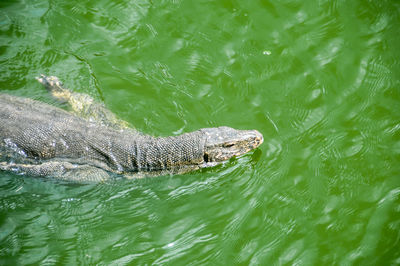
(55, 87)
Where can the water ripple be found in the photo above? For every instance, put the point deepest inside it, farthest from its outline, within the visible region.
(319, 80)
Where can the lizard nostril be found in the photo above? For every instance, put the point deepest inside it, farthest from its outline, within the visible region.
(205, 157)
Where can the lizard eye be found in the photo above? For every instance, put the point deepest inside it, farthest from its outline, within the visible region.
(227, 145)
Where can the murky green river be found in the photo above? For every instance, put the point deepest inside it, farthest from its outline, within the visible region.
(319, 79)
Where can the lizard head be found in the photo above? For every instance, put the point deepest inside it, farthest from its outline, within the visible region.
(223, 143)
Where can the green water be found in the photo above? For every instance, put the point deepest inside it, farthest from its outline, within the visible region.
(319, 79)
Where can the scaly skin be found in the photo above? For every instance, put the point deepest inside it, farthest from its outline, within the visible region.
(42, 140)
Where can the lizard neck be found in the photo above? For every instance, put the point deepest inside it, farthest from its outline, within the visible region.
(162, 153)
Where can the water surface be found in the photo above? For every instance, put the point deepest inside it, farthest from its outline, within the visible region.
(319, 79)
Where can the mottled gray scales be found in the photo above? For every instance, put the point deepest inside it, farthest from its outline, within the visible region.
(42, 140)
